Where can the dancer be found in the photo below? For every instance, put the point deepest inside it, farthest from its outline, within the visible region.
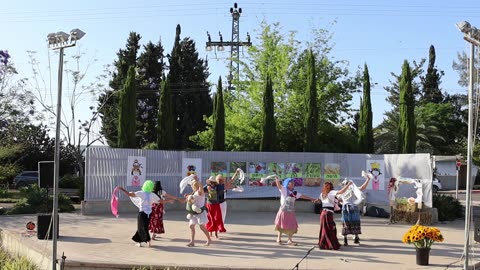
(286, 221)
(222, 196)
(143, 200)
(351, 196)
(155, 225)
(214, 191)
(327, 238)
(392, 197)
(198, 218)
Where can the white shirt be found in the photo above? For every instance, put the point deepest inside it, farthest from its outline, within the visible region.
(329, 199)
(146, 199)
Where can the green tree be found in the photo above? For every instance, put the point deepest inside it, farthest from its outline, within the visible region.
(166, 128)
(394, 90)
(127, 112)
(188, 76)
(219, 119)
(268, 124)
(431, 81)
(108, 101)
(365, 129)
(311, 116)
(406, 128)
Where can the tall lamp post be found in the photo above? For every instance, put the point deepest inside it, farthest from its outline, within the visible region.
(59, 41)
(472, 36)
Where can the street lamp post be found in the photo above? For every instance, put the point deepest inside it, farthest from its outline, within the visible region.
(472, 36)
(59, 41)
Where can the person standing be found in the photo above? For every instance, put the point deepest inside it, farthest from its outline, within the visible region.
(214, 192)
(286, 220)
(155, 225)
(350, 212)
(144, 200)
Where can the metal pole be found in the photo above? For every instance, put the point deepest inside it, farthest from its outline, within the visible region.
(56, 162)
(469, 156)
(456, 182)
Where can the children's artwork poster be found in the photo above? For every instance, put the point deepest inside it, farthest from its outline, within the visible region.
(233, 168)
(331, 173)
(256, 171)
(275, 169)
(377, 169)
(313, 174)
(192, 166)
(218, 167)
(294, 170)
(137, 169)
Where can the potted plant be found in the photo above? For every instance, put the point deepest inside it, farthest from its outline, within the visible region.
(422, 237)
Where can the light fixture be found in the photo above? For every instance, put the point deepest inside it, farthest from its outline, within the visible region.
(62, 37)
(76, 34)
(209, 48)
(463, 26)
(220, 48)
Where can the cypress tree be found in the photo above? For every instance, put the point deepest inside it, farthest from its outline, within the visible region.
(311, 119)
(219, 119)
(406, 127)
(165, 124)
(268, 128)
(365, 130)
(127, 112)
(431, 90)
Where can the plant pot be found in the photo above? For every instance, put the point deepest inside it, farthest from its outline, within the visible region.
(423, 254)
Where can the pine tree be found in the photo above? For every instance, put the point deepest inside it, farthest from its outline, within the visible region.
(219, 119)
(431, 91)
(406, 128)
(188, 76)
(268, 128)
(165, 124)
(365, 130)
(311, 118)
(127, 112)
(108, 101)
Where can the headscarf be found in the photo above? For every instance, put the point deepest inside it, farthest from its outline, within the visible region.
(148, 186)
(286, 182)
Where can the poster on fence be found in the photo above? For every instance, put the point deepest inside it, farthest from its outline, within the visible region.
(192, 166)
(233, 168)
(331, 173)
(313, 174)
(377, 169)
(218, 167)
(275, 169)
(294, 170)
(256, 171)
(137, 169)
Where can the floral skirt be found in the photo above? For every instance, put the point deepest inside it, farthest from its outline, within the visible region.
(156, 219)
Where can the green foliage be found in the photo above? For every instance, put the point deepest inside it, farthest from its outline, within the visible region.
(165, 121)
(71, 181)
(33, 201)
(219, 119)
(406, 128)
(394, 90)
(431, 81)
(365, 129)
(127, 108)
(448, 207)
(8, 262)
(268, 124)
(311, 115)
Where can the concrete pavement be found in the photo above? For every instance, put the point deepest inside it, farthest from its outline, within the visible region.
(103, 242)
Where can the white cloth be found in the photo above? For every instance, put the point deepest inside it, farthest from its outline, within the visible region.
(144, 200)
(223, 208)
(329, 200)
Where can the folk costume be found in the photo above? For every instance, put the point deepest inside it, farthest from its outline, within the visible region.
(156, 218)
(350, 212)
(215, 193)
(327, 238)
(286, 221)
(143, 200)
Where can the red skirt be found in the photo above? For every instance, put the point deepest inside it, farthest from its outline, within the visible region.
(327, 238)
(156, 219)
(215, 221)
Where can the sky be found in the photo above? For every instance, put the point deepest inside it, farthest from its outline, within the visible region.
(381, 34)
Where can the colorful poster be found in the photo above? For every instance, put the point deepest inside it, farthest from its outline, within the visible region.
(294, 170)
(313, 174)
(331, 173)
(137, 169)
(256, 170)
(275, 169)
(233, 168)
(218, 167)
(377, 169)
(192, 166)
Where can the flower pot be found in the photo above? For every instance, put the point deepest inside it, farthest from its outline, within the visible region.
(423, 255)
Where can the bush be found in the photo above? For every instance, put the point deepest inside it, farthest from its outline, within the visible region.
(34, 201)
(71, 181)
(448, 207)
(19, 262)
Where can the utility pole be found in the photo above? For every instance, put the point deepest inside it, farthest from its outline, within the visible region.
(234, 44)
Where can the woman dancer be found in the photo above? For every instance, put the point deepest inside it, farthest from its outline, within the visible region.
(155, 225)
(286, 221)
(327, 238)
(145, 199)
(350, 211)
(214, 191)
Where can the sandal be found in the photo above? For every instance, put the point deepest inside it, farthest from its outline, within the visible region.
(190, 244)
(292, 243)
(279, 242)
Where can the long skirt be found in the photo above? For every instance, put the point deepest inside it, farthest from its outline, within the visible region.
(327, 238)
(142, 234)
(156, 219)
(215, 221)
(223, 207)
(286, 222)
(351, 219)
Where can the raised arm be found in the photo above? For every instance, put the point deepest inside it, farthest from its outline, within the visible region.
(278, 182)
(341, 191)
(364, 185)
(230, 182)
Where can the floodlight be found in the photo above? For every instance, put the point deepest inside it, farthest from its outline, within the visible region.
(61, 37)
(208, 48)
(51, 38)
(221, 48)
(463, 26)
(76, 34)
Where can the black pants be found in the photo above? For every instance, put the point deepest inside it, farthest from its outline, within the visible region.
(142, 234)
